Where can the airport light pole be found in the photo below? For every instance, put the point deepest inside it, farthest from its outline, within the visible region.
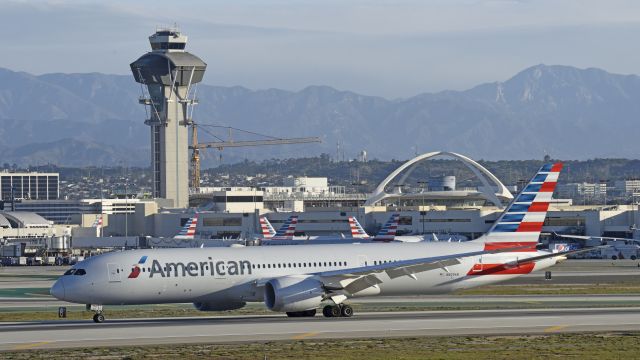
(422, 183)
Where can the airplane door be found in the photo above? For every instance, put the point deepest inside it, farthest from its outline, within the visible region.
(114, 272)
(362, 260)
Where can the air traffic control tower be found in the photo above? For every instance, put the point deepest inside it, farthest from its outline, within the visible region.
(169, 74)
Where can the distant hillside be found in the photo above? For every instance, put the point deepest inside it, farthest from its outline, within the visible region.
(567, 112)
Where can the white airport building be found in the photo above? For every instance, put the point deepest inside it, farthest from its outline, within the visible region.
(437, 207)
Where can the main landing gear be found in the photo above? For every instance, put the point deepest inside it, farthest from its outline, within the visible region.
(306, 313)
(97, 309)
(342, 310)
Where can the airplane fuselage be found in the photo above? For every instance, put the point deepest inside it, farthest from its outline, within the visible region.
(237, 274)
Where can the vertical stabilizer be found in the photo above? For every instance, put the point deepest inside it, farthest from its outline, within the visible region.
(288, 229)
(266, 229)
(188, 231)
(521, 223)
(356, 229)
(388, 231)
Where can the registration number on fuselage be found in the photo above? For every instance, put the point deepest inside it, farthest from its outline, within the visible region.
(449, 274)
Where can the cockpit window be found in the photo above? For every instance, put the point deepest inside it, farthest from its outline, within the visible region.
(80, 272)
(70, 272)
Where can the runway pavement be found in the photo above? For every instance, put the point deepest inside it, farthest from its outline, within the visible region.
(118, 332)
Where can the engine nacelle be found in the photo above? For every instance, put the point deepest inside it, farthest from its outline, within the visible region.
(218, 306)
(293, 293)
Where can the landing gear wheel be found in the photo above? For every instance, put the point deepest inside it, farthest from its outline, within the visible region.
(331, 311)
(98, 318)
(346, 311)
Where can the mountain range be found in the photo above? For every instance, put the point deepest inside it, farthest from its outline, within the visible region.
(95, 119)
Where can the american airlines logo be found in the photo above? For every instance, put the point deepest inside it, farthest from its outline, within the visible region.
(135, 272)
(193, 268)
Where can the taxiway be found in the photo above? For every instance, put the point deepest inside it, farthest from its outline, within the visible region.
(120, 332)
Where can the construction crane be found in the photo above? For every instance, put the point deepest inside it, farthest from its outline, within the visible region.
(229, 142)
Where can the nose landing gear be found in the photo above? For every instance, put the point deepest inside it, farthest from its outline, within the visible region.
(98, 318)
(97, 309)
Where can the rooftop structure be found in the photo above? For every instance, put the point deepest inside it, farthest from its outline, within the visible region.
(444, 191)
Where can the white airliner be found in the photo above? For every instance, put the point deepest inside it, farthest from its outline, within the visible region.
(297, 280)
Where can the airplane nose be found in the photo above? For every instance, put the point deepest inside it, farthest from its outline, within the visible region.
(57, 290)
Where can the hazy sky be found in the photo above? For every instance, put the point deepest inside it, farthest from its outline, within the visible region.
(387, 48)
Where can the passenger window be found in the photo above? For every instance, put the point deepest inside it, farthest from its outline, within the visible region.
(80, 272)
(69, 272)
(118, 271)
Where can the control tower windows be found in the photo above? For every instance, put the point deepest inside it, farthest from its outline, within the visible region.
(167, 46)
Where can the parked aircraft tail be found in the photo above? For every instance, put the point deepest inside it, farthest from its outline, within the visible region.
(266, 229)
(357, 231)
(188, 231)
(388, 231)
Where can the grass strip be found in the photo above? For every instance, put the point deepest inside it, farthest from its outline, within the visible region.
(612, 345)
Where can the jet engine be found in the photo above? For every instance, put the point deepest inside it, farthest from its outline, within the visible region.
(219, 305)
(293, 293)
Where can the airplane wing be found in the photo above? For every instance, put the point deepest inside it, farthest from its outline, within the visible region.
(341, 283)
(550, 255)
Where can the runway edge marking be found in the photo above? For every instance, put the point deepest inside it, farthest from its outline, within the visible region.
(30, 345)
(555, 328)
(304, 335)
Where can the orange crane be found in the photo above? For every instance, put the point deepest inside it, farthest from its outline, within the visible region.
(229, 142)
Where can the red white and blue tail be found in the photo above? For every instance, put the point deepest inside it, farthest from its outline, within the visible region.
(188, 231)
(97, 223)
(388, 231)
(356, 229)
(288, 229)
(266, 229)
(520, 225)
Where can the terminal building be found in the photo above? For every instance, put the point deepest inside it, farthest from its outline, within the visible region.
(437, 205)
(29, 185)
